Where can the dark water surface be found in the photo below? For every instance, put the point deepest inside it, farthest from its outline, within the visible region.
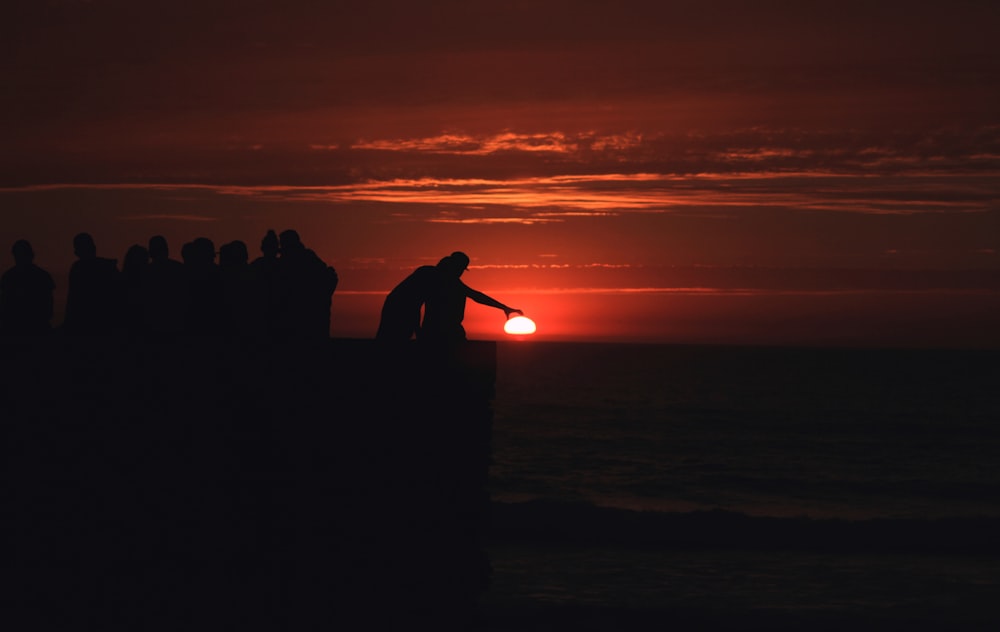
(763, 431)
(807, 488)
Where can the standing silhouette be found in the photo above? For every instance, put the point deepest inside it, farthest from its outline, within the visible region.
(237, 289)
(266, 296)
(205, 314)
(307, 285)
(441, 293)
(400, 320)
(25, 294)
(93, 299)
(165, 292)
(444, 309)
(134, 269)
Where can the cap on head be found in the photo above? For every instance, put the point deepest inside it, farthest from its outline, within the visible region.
(455, 263)
(461, 259)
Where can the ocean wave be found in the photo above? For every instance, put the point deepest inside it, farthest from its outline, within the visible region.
(546, 522)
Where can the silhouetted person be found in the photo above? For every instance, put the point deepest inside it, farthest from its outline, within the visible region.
(266, 294)
(166, 295)
(307, 285)
(134, 268)
(205, 313)
(400, 318)
(444, 309)
(237, 288)
(93, 300)
(25, 295)
(187, 253)
(233, 255)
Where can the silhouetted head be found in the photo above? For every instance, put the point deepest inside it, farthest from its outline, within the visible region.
(23, 253)
(187, 252)
(455, 263)
(84, 246)
(269, 244)
(461, 259)
(203, 251)
(158, 250)
(135, 258)
(233, 254)
(290, 241)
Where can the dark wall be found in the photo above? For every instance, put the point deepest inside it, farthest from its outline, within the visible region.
(205, 482)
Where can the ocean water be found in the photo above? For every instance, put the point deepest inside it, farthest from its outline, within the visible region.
(744, 487)
(821, 433)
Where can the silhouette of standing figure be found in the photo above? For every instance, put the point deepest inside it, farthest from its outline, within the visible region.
(165, 291)
(93, 299)
(264, 272)
(400, 319)
(25, 295)
(205, 315)
(237, 288)
(444, 308)
(307, 285)
(134, 269)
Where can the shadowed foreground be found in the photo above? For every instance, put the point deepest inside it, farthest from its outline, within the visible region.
(211, 485)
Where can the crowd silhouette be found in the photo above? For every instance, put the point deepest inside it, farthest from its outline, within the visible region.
(286, 293)
(183, 480)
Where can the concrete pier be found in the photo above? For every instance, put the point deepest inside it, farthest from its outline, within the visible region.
(230, 484)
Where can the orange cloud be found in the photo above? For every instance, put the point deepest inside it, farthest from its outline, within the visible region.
(465, 144)
(558, 198)
(156, 217)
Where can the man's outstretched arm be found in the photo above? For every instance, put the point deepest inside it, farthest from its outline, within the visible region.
(484, 299)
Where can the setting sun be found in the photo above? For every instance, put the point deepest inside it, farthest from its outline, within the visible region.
(519, 326)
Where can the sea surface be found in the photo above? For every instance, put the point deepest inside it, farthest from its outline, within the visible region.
(858, 483)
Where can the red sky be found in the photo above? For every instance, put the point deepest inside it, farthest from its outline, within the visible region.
(766, 172)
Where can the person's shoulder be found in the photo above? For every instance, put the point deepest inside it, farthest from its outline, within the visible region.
(314, 258)
(263, 263)
(41, 273)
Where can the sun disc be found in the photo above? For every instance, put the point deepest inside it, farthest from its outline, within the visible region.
(519, 326)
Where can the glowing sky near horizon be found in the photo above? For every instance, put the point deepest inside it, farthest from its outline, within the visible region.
(662, 171)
